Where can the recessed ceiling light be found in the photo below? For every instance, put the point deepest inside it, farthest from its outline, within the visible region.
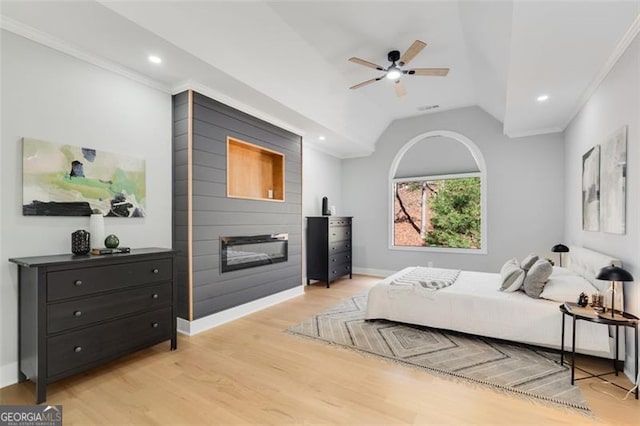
(155, 59)
(321, 137)
(543, 98)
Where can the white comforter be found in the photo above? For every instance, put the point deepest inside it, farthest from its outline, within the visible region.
(474, 304)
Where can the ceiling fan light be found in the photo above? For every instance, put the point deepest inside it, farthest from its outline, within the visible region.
(394, 73)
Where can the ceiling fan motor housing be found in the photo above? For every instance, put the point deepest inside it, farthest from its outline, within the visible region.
(393, 56)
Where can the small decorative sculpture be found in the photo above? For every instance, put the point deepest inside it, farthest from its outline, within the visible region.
(583, 300)
(325, 207)
(80, 242)
(111, 241)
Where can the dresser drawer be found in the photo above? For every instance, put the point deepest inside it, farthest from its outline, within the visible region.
(75, 349)
(79, 312)
(340, 221)
(340, 258)
(339, 270)
(339, 246)
(85, 281)
(339, 233)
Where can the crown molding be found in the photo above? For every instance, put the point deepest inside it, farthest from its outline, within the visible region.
(234, 103)
(45, 39)
(621, 47)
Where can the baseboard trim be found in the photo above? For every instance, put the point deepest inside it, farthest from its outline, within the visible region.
(8, 374)
(383, 273)
(199, 325)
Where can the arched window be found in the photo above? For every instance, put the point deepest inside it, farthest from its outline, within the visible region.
(437, 196)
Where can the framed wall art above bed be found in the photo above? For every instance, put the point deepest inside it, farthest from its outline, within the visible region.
(591, 189)
(613, 182)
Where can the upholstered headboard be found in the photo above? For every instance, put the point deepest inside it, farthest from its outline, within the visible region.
(587, 263)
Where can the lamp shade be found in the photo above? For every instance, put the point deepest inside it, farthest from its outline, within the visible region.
(560, 248)
(614, 273)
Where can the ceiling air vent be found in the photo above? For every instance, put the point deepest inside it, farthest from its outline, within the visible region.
(427, 107)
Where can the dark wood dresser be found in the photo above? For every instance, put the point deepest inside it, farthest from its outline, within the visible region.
(328, 248)
(78, 312)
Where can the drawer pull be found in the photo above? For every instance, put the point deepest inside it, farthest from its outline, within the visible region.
(154, 324)
(154, 296)
(155, 271)
(77, 349)
(77, 313)
(77, 282)
(333, 260)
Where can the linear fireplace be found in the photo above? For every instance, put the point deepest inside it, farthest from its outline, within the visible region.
(251, 251)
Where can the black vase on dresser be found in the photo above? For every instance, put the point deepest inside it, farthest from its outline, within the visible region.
(76, 313)
(329, 248)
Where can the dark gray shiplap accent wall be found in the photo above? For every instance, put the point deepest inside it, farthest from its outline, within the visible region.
(180, 179)
(214, 215)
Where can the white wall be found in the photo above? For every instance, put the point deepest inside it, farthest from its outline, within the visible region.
(321, 177)
(50, 96)
(525, 189)
(616, 103)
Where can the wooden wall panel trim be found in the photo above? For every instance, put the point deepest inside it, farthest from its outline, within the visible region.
(190, 203)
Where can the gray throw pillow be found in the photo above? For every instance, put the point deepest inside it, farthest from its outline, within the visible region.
(512, 276)
(536, 278)
(528, 261)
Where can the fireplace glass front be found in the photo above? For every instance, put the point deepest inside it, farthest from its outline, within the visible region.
(251, 251)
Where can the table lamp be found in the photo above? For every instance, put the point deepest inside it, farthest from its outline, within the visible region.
(613, 273)
(560, 248)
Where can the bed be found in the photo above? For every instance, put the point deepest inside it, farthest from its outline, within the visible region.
(474, 304)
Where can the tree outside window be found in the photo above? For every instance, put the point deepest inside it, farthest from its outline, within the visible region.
(438, 212)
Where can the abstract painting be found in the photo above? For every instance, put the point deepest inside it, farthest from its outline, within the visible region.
(613, 182)
(66, 180)
(591, 189)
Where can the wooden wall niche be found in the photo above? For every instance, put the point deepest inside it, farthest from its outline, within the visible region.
(254, 172)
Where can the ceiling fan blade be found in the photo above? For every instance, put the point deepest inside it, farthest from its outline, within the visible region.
(412, 51)
(366, 63)
(438, 72)
(364, 83)
(400, 89)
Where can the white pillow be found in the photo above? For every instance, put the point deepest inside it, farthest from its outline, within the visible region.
(512, 276)
(536, 278)
(567, 288)
(529, 261)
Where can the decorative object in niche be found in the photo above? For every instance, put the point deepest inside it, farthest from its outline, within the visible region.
(591, 189)
(613, 182)
(66, 180)
(80, 242)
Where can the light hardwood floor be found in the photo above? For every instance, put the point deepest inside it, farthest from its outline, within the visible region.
(249, 371)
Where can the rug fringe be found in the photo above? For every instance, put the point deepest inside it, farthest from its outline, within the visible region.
(458, 378)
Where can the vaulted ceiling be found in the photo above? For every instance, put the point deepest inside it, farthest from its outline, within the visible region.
(287, 61)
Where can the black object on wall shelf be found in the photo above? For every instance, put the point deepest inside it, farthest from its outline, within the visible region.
(329, 248)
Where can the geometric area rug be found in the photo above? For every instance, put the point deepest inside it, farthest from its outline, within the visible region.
(509, 367)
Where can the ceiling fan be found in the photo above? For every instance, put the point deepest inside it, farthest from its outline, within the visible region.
(395, 70)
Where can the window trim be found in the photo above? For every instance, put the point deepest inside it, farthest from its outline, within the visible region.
(477, 156)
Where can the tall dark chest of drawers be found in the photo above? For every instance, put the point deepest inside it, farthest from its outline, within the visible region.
(78, 312)
(328, 248)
